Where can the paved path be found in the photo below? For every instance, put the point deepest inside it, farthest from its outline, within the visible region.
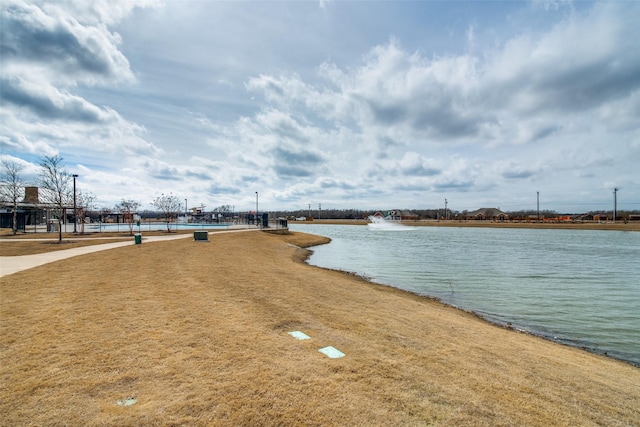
(14, 264)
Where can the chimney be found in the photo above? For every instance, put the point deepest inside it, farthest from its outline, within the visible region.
(31, 195)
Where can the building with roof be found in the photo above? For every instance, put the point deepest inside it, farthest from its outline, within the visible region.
(32, 214)
(487, 214)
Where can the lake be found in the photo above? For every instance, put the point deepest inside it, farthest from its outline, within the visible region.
(577, 287)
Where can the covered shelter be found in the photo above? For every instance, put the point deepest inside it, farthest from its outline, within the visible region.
(32, 214)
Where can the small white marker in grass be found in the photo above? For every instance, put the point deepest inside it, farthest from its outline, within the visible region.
(126, 402)
(299, 335)
(331, 352)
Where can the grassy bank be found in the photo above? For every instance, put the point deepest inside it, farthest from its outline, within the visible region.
(197, 333)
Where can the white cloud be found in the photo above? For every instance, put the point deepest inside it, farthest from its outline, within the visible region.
(49, 43)
(49, 50)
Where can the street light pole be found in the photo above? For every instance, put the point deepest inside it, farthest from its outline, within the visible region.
(186, 212)
(257, 223)
(75, 210)
(615, 203)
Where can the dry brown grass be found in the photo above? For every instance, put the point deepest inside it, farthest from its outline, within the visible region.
(37, 243)
(197, 333)
(33, 247)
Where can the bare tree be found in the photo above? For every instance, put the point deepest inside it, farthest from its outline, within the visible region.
(12, 187)
(128, 208)
(224, 209)
(85, 204)
(169, 205)
(56, 183)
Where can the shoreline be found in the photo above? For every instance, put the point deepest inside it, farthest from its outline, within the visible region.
(197, 333)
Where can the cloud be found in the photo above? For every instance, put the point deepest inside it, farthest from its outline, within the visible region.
(54, 44)
(516, 171)
(222, 190)
(581, 63)
(50, 50)
(394, 88)
(46, 102)
(294, 164)
(512, 95)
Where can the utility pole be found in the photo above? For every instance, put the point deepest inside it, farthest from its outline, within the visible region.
(538, 203)
(446, 215)
(75, 210)
(615, 203)
(309, 210)
(319, 210)
(257, 223)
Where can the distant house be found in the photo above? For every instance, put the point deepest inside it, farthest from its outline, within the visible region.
(487, 214)
(599, 217)
(397, 215)
(409, 216)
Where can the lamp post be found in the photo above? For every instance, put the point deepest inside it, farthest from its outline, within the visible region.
(615, 203)
(75, 211)
(257, 223)
(186, 212)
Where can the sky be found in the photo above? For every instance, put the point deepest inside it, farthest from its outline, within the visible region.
(340, 104)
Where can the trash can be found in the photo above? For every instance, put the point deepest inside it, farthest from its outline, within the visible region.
(138, 238)
(202, 236)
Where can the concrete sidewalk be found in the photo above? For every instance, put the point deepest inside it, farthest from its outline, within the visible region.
(14, 264)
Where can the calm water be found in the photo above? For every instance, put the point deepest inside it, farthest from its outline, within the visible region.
(578, 287)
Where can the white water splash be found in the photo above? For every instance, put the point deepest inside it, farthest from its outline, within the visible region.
(383, 224)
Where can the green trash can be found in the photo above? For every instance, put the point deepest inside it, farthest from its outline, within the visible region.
(138, 238)
(202, 236)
